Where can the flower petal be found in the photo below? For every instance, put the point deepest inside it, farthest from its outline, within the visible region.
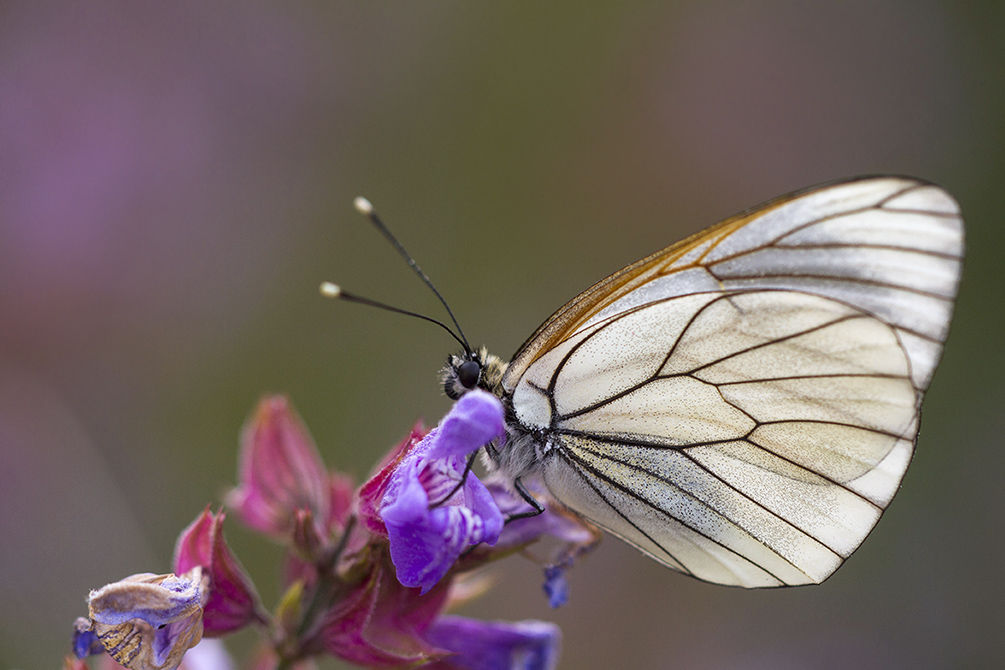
(232, 602)
(474, 421)
(85, 642)
(379, 624)
(281, 471)
(429, 521)
(371, 494)
(556, 587)
(576, 537)
(340, 489)
(495, 645)
(210, 654)
(148, 622)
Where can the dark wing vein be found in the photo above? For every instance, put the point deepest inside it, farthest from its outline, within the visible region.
(583, 465)
(578, 469)
(657, 376)
(728, 485)
(634, 441)
(839, 375)
(851, 245)
(837, 278)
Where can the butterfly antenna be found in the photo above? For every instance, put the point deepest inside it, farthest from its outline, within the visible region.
(330, 290)
(364, 207)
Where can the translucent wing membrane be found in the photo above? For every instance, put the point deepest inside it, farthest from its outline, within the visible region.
(743, 406)
(891, 246)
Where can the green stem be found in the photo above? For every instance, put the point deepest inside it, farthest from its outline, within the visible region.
(328, 583)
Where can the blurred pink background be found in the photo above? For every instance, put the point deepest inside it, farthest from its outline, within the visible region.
(177, 178)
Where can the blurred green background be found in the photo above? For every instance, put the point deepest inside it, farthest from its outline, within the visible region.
(177, 178)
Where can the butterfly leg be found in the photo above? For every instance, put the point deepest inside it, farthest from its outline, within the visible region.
(529, 499)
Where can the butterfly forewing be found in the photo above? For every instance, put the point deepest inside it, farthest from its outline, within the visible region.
(743, 405)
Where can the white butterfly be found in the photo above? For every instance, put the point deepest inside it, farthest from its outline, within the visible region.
(741, 406)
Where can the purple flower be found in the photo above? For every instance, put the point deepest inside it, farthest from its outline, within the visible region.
(85, 642)
(427, 530)
(382, 624)
(368, 574)
(495, 645)
(371, 494)
(148, 622)
(576, 537)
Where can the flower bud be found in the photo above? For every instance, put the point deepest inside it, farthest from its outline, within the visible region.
(280, 472)
(232, 602)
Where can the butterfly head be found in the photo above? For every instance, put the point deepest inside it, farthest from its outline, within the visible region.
(470, 370)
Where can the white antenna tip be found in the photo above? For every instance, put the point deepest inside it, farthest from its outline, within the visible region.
(362, 205)
(330, 290)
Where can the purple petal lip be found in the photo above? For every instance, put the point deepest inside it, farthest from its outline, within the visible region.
(426, 540)
(497, 645)
(474, 421)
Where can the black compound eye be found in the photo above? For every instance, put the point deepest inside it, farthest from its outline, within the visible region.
(468, 373)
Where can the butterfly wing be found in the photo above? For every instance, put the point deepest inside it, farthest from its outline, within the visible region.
(742, 406)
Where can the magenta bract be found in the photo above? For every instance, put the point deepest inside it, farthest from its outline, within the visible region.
(280, 472)
(232, 602)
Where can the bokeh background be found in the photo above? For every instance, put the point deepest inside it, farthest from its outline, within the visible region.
(177, 178)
